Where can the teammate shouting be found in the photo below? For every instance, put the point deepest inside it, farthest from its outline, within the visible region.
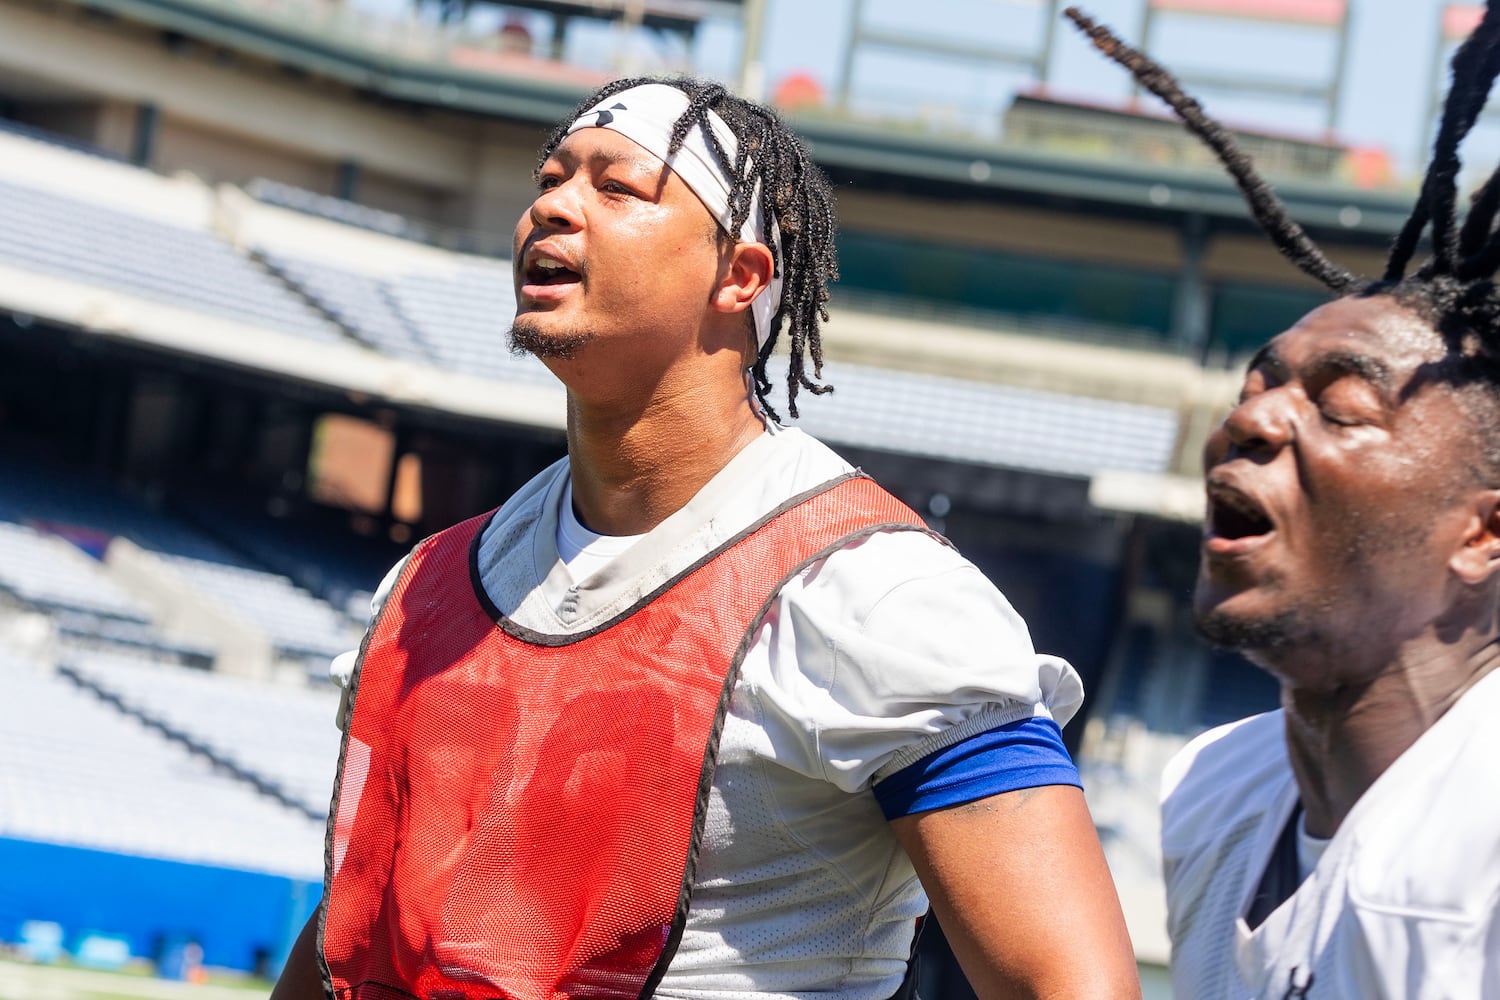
(1348, 845)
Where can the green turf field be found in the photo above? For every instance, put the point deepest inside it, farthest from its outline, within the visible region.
(20, 981)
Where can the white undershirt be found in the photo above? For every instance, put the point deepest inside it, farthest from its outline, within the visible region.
(585, 552)
(1309, 848)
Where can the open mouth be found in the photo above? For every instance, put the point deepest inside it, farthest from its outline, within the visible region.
(547, 271)
(1233, 516)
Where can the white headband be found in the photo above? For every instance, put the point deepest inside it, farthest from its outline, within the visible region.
(647, 115)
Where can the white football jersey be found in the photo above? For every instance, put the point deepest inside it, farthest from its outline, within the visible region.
(1402, 903)
(870, 659)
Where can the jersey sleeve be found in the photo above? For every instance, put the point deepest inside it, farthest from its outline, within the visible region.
(1025, 754)
(894, 649)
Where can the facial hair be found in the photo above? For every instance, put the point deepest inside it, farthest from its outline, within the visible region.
(527, 338)
(1250, 635)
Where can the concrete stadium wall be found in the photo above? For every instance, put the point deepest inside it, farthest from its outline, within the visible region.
(229, 120)
(237, 917)
(180, 610)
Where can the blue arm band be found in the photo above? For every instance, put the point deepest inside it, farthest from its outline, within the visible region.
(1023, 754)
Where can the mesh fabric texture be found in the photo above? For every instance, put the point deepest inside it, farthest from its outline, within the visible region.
(529, 821)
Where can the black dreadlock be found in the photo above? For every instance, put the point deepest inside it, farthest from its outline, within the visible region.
(793, 192)
(1454, 291)
(1267, 208)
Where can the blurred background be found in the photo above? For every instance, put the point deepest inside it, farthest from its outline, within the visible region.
(254, 289)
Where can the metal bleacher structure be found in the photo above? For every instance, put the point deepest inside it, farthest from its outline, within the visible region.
(412, 306)
(1326, 17)
(110, 739)
(80, 771)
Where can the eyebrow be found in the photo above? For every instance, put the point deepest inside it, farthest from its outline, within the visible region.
(610, 157)
(1372, 370)
(1361, 366)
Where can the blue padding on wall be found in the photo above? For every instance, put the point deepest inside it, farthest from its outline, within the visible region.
(232, 914)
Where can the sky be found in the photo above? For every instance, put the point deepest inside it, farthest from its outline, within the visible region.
(1391, 62)
(1389, 78)
(1390, 72)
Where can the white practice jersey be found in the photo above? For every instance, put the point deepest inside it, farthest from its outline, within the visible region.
(886, 651)
(1400, 906)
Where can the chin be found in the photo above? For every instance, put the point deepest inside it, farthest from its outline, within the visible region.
(1244, 620)
(528, 337)
(1249, 634)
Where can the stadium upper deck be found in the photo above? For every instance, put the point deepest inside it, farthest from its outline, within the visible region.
(173, 264)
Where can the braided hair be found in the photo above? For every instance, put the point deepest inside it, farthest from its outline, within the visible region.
(1454, 291)
(770, 162)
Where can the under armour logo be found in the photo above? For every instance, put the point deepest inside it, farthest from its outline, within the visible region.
(605, 117)
(1293, 988)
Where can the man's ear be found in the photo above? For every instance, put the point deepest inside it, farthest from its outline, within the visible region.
(1478, 558)
(747, 274)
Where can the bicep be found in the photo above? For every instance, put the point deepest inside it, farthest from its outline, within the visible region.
(1019, 883)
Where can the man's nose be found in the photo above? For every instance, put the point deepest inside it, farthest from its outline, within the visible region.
(557, 207)
(1259, 425)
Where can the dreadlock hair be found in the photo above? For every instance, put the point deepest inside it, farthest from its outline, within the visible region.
(1454, 291)
(1267, 208)
(770, 162)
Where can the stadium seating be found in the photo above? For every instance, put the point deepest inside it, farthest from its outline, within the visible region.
(47, 572)
(284, 736)
(76, 770)
(341, 569)
(35, 490)
(465, 315)
(457, 320)
(298, 623)
(361, 304)
(454, 319)
(451, 311)
(987, 424)
(82, 241)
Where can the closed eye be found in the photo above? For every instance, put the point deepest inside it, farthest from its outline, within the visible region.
(1350, 401)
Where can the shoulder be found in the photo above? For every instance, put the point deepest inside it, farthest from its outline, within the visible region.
(782, 463)
(890, 579)
(909, 593)
(909, 587)
(1443, 858)
(898, 627)
(1223, 777)
(792, 444)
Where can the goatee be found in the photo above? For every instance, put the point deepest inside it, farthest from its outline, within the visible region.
(1250, 635)
(527, 338)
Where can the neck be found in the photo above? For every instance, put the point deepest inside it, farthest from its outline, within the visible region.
(1341, 740)
(634, 464)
